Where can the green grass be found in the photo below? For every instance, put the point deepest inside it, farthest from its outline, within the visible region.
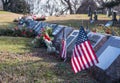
(15, 44)
(6, 19)
(7, 25)
(42, 71)
(4, 12)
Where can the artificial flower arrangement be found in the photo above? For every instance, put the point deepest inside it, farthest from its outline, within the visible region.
(44, 40)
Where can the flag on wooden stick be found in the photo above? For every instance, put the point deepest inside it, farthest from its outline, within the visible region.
(64, 49)
(83, 54)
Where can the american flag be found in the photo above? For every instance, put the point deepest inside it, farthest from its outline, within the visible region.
(64, 49)
(83, 54)
(63, 52)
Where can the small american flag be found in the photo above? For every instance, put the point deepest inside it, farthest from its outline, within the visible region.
(63, 52)
(83, 54)
(64, 49)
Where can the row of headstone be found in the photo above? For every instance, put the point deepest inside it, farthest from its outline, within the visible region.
(36, 25)
(57, 30)
(107, 49)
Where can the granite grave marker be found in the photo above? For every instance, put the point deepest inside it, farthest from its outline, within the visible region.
(108, 68)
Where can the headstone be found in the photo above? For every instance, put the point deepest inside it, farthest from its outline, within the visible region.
(37, 26)
(32, 24)
(96, 40)
(108, 68)
(58, 34)
(68, 30)
(57, 30)
(57, 39)
(38, 29)
(40, 25)
(95, 16)
(53, 26)
(114, 19)
(71, 39)
(109, 24)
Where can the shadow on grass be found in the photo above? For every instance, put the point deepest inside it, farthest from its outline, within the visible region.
(37, 66)
(6, 25)
(77, 23)
(50, 69)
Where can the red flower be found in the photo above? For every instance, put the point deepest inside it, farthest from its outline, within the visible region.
(46, 36)
(24, 32)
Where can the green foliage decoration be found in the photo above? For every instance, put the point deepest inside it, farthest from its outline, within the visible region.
(18, 32)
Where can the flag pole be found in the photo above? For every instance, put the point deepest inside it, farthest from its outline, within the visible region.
(65, 45)
(63, 51)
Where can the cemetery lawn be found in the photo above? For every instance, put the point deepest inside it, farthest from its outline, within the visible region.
(76, 20)
(17, 45)
(19, 62)
(6, 19)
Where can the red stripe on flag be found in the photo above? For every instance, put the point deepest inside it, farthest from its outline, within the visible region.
(93, 51)
(91, 55)
(81, 53)
(77, 60)
(73, 66)
(85, 55)
(88, 54)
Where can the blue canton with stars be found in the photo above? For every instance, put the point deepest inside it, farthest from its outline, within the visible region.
(82, 36)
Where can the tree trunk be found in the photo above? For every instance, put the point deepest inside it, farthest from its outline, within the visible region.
(6, 4)
(69, 6)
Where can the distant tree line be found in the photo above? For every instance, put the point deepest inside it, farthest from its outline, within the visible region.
(112, 3)
(71, 6)
(17, 6)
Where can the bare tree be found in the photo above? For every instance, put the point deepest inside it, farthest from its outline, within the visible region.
(6, 4)
(18, 6)
(84, 6)
(100, 3)
(71, 5)
(54, 7)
